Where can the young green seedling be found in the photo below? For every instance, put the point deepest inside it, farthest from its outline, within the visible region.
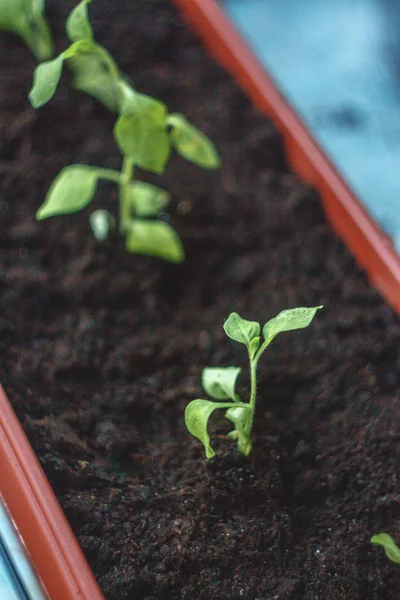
(220, 383)
(26, 19)
(391, 549)
(144, 132)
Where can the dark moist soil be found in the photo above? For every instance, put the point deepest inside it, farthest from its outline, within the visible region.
(101, 351)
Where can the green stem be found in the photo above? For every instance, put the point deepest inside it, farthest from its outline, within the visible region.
(261, 349)
(124, 181)
(109, 175)
(253, 382)
(253, 394)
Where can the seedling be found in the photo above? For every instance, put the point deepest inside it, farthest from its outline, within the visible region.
(144, 133)
(391, 549)
(220, 383)
(26, 19)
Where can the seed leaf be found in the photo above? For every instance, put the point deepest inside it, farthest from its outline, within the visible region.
(72, 190)
(146, 200)
(154, 238)
(78, 26)
(220, 383)
(140, 131)
(191, 143)
(197, 414)
(287, 320)
(391, 549)
(102, 222)
(45, 81)
(240, 330)
(239, 416)
(26, 19)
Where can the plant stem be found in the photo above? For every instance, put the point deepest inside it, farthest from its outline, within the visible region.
(110, 175)
(253, 393)
(253, 382)
(126, 178)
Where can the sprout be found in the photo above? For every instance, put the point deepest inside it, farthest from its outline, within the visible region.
(220, 383)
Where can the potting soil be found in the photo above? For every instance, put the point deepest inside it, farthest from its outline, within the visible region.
(101, 350)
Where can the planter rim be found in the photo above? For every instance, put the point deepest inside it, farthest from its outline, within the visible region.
(372, 249)
(50, 542)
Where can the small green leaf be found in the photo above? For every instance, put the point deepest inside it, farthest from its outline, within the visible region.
(91, 75)
(78, 26)
(253, 346)
(191, 143)
(81, 47)
(154, 238)
(146, 200)
(45, 81)
(287, 320)
(197, 414)
(102, 222)
(26, 19)
(95, 72)
(72, 190)
(220, 383)
(240, 330)
(391, 549)
(140, 131)
(240, 416)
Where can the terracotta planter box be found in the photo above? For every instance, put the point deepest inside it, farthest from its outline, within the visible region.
(149, 484)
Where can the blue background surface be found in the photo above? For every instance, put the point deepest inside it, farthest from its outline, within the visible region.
(338, 64)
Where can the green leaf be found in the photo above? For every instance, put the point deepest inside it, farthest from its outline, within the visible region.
(240, 330)
(240, 416)
(72, 190)
(140, 131)
(102, 222)
(197, 414)
(253, 346)
(26, 19)
(287, 320)
(45, 81)
(391, 549)
(191, 143)
(220, 383)
(146, 200)
(78, 26)
(80, 47)
(92, 76)
(95, 73)
(154, 238)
